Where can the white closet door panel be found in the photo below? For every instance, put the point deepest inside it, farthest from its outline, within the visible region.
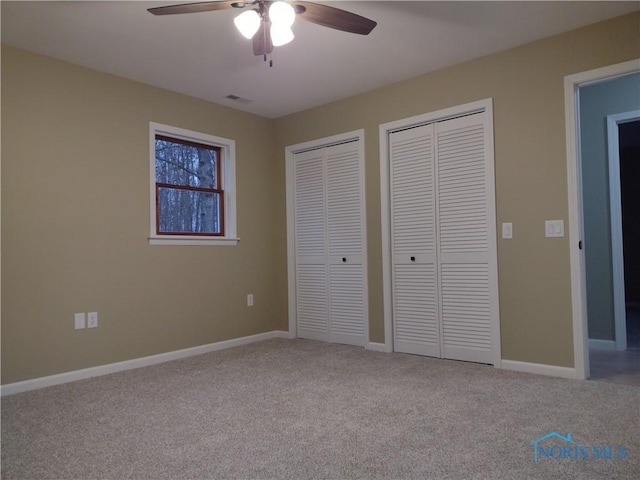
(462, 191)
(415, 310)
(463, 219)
(413, 242)
(310, 221)
(310, 225)
(344, 201)
(347, 304)
(412, 192)
(346, 243)
(312, 302)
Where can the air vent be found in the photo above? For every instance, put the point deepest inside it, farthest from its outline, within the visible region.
(238, 99)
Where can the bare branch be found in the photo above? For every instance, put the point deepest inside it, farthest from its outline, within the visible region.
(175, 164)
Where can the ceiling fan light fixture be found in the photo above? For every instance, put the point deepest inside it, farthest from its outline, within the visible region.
(248, 23)
(281, 35)
(278, 16)
(282, 13)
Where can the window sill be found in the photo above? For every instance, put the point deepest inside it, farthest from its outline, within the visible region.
(186, 240)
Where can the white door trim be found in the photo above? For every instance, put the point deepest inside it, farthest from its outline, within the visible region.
(617, 250)
(574, 187)
(385, 129)
(290, 151)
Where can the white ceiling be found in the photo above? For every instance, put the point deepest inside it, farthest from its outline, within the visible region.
(203, 55)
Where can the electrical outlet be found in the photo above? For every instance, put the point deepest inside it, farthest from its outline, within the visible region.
(250, 300)
(79, 321)
(92, 320)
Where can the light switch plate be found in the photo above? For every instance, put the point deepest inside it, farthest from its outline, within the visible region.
(79, 321)
(554, 228)
(507, 230)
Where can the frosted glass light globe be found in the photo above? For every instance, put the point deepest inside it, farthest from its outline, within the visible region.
(248, 23)
(282, 14)
(280, 35)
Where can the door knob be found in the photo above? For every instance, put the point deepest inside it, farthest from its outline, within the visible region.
(413, 259)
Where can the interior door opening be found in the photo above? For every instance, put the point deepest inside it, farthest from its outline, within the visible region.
(605, 182)
(629, 158)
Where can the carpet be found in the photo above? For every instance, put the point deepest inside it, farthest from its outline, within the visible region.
(299, 409)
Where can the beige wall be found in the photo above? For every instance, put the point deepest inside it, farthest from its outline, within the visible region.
(75, 205)
(526, 85)
(75, 222)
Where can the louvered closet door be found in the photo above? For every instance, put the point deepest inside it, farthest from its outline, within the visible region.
(413, 242)
(312, 289)
(329, 244)
(346, 240)
(463, 219)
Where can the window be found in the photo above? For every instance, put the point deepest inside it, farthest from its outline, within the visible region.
(189, 197)
(192, 187)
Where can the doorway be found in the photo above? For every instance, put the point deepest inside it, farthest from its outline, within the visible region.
(629, 162)
(622, 363)
(623, 138)
(590, 216)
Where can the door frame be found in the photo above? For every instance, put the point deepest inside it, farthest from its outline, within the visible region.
(617, 247)
(572, 84)
(385, 130)
(290, 151)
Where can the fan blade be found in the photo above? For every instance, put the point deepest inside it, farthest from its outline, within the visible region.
(191, 8)
(333, 18)
(262, 39)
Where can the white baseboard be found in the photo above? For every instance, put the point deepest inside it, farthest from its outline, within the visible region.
(598, 344)
(25, 386)
(538, 368)
(378, 347)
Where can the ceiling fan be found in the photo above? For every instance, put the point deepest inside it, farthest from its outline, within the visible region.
(268, 23)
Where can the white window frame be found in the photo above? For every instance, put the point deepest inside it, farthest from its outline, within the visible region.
(228, 167)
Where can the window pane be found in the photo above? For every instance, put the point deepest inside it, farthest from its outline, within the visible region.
(188, 211)
(186, 164)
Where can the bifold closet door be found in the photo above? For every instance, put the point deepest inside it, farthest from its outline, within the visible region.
(416, 324)
(464, 210)
(329, 237)
(444, 273)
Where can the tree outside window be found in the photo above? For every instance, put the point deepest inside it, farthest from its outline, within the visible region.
(189, 190)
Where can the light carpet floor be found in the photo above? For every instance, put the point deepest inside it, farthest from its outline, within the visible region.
(301, 409)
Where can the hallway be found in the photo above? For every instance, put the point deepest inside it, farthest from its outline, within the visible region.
(620, 367)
